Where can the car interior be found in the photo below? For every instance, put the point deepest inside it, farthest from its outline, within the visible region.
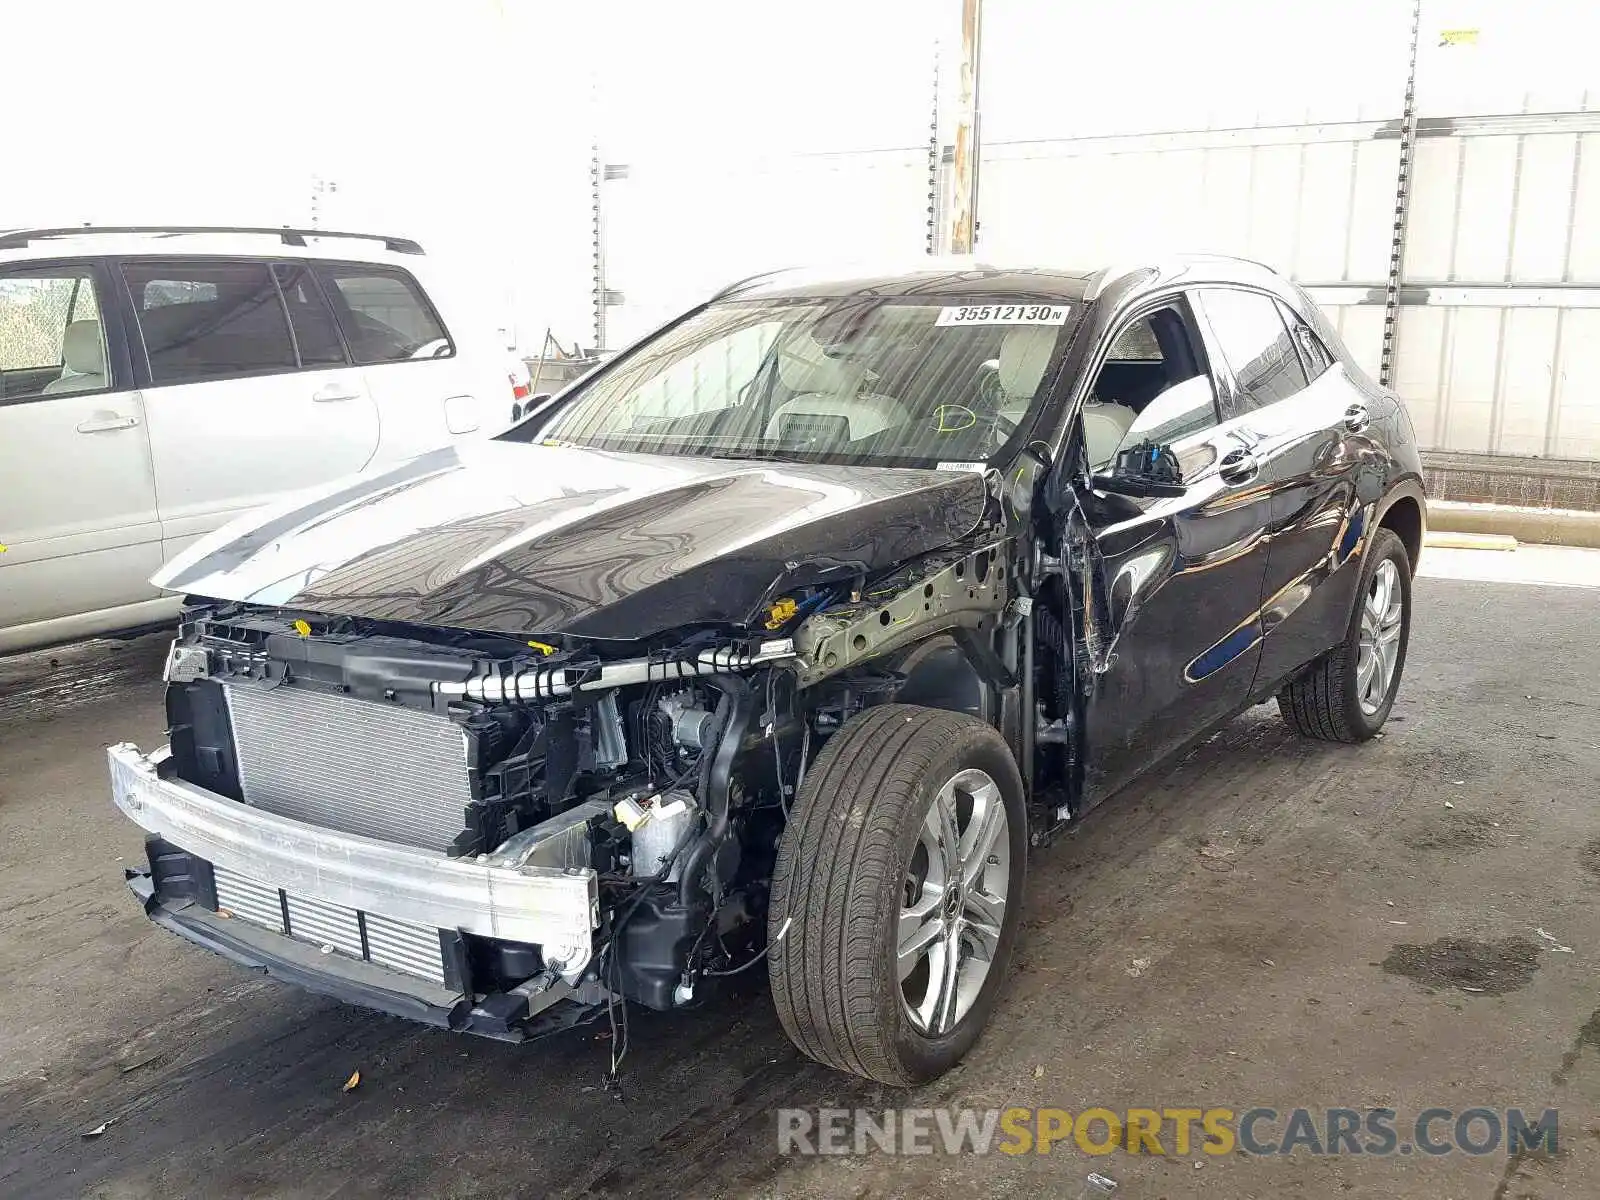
(1152, 355)
(898, 387)
(83, 360)
(834, 401)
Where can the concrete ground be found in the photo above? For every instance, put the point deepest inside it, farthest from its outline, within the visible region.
(1258, 924)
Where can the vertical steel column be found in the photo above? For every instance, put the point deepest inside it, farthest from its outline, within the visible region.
(964, 208)
(597, 244)
(1402, 207)
(933, 160)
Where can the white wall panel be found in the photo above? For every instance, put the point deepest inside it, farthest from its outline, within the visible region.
(1583, 257)
(1576, 430)
(1273, 232)
(1470, 379)
(1430, 243)
(1324, 215)
(1372, 210)
(1418, 369)
(1483, 209)
(1526, 370)
(1361, 327)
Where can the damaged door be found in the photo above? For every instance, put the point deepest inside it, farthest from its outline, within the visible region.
(1170, 616)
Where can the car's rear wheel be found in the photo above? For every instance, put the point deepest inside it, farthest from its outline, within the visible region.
(897, 891)
(1347, 694)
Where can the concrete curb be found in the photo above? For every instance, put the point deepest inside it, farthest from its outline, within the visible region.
(1545, 526)
(1445, 540)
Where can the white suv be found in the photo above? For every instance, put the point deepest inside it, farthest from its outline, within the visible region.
(156, 382)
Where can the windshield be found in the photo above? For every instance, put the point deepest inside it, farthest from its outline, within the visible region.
(854, 380)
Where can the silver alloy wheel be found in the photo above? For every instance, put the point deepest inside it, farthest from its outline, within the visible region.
(1382, 613)
(954, 902)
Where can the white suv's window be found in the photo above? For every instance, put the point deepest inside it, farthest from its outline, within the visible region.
(209, 319)
(51, 340)
(384, 315)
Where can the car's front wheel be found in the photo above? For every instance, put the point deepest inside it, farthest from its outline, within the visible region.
(897, 891)
(1346, 695)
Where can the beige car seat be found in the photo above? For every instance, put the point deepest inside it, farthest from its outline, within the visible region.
(830, 388)
(83, 360)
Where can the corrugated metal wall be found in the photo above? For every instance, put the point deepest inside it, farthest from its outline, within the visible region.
(1500, 348)
(1243, 126)
(1498, 345)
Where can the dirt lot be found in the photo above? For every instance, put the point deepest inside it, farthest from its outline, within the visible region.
(1268, 922)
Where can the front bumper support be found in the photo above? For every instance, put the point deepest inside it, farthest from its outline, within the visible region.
(554, 908)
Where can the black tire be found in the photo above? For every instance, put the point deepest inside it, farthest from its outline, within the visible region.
(1323, 701)
(841, 877)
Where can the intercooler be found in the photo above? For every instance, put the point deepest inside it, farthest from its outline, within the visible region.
(399, 945)
(372, 769)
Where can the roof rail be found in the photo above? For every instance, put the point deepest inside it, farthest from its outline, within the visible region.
(15, 239)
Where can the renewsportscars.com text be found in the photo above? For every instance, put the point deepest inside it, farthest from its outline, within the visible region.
(1258, 1131)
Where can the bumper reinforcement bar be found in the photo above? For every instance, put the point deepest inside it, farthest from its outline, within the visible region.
(552, 907)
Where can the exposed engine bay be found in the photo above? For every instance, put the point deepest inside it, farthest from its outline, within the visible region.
(664, 770)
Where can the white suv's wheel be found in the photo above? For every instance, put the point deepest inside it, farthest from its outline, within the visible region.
(896, 893)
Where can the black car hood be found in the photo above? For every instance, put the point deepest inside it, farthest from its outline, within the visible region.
(522, 539)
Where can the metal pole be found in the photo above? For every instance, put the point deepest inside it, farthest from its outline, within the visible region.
(597, 245)
(964, 207)
(1402, 209)
(935, 174)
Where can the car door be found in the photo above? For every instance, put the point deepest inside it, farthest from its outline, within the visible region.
(423, 385)
(1307, 449)
(1171, 589)
(243, 406)
(78, 522)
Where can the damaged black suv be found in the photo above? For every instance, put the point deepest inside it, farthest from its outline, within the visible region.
(782, 638)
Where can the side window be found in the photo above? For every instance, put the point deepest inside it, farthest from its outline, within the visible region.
(1152, 387)
(1313, 353)
(50, 336)
(206, 319)
(316, 334)
(384, 315)
(1255, 341)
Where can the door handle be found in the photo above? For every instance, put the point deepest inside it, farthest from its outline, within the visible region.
(1356, 419)
(1238, 466)
(105, 422)
(332, 393)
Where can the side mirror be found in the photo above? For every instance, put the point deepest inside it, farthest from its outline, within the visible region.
(1136, 486)
(1145, 471)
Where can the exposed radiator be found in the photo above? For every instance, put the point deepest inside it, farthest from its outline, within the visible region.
(413, 949)
(352, 765)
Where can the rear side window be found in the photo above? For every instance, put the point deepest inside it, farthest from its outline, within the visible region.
(51, 340)
(384, 315)
(1255, 341)
(209, 320)
(1313, 353)
(316, 335)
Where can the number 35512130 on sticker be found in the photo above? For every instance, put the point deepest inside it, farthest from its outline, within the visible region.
(1004, 314)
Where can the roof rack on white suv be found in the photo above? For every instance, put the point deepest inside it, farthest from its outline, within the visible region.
(16, 239)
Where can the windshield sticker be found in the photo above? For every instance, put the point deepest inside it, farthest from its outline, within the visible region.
(1004, 314)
